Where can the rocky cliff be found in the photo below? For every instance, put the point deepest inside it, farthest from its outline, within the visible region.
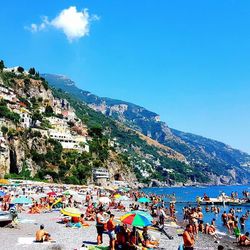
(219, 162)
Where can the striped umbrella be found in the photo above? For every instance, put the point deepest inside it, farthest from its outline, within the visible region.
(137, 219)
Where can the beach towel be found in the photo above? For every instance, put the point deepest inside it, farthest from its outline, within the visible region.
(31, 240)
(97, 248)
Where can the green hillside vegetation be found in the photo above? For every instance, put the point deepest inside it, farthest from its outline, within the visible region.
(103, 128)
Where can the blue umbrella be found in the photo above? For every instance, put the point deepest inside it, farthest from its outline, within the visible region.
(22, 200)
(2, 193)
(144, 200)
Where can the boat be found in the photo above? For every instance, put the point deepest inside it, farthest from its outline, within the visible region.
(222, 199)
(6, 217)
(209, 201)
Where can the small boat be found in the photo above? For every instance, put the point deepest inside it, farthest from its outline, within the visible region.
(6, 217)
(210, 201)
(236, 202)
(220, 200)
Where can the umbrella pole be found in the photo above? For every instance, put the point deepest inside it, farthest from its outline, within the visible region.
(163, 230)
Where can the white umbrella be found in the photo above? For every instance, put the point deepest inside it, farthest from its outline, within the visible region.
(37, 196)
(104, 200)
(122, 198)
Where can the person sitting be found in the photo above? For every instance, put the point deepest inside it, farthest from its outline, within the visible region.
(90, 214)
(121, 238)
(244, 239)
(121, 207)
(81, 220)
(42, 235)
(134, 239)
(148, 241)
(211, 231)
(34, 210)
(74, 223)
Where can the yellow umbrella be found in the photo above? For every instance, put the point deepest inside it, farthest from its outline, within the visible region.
(4, 181)
(117, 196)
(71, 211)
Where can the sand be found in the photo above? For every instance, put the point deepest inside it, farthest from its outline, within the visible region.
(69, 239)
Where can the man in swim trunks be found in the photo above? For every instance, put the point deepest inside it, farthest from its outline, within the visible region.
(42, 235)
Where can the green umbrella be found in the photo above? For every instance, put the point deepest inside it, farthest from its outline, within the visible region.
(144, 200)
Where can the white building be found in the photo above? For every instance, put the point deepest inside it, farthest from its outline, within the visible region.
(7, 94)
(68, 141)
(100, 175)
(25, 116)
(25, 120)
(15, 70)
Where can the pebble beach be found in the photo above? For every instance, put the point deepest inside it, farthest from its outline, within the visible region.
(23, 234)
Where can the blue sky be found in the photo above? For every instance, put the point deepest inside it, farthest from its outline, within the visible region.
(186, 60)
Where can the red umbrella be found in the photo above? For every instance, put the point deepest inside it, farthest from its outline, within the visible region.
(51, 194)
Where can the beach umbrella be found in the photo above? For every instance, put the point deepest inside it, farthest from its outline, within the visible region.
(137, 219)
(117, 196)
(22, 200)
(2, 193)
(69, 192)
(51, 193)
(122, 198)
(4, 182)
(144, 200)
(71, 211)
(38, 196)
(104, 200)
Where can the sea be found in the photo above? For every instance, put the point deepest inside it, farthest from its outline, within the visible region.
(187, 195)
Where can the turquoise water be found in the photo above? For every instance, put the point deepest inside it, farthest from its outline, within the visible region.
(189, 194)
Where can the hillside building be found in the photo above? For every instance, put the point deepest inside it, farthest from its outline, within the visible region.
(69, 141)
(100, 175)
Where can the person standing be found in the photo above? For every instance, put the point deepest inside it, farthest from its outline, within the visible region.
(100, 221)
(188, 238)
(111, 231)
(242, 222)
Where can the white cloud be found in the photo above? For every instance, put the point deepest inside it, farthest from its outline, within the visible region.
(74, 24)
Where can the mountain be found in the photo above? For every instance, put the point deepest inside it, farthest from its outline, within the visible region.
(220, 163)
(47, 133)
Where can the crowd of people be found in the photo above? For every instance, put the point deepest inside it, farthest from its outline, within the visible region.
(232, 222)
(123, 235)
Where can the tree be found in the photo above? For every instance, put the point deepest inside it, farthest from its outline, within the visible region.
(2, 65)
(49, 110)
(37, 116)
(20, 69)
(32, 71)
(4, 130)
